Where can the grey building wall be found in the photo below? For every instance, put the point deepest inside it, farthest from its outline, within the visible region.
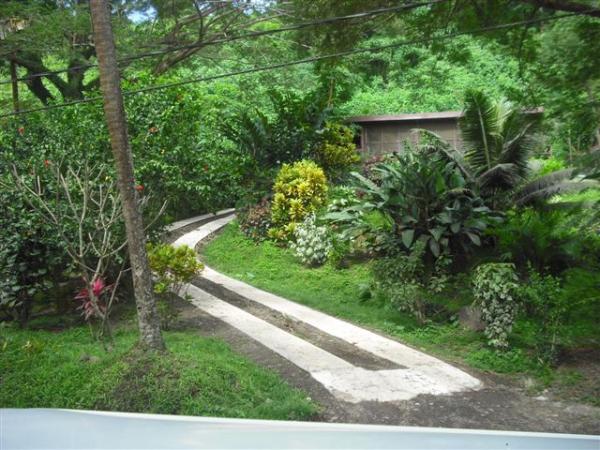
(385, 137)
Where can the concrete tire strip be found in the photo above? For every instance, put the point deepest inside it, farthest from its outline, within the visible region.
(420, 373)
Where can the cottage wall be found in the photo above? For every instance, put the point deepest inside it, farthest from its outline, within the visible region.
(386, 137)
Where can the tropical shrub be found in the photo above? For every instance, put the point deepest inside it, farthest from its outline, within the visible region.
(82, 207)
(286, 134)
(172, 268)
(549, 239)
(543, 296)
(179, 154)
(407, 283)
(312, 243)
(424, 197)
(96, 301)
(495, 288)
(336, 153)
(299, 189)
(256, 221)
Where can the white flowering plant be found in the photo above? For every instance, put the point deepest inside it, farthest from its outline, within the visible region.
(312, 242)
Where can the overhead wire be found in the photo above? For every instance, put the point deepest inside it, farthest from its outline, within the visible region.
(301, 61)
(254, 34)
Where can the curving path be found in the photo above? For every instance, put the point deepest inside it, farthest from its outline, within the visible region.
(404, 374)
(354, 374)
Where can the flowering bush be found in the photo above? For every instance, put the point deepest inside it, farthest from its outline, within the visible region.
(256, 221)
(494, 287)
(312, 242)
(300, 189)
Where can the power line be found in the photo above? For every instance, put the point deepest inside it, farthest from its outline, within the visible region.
(255, 34)
(302, 61)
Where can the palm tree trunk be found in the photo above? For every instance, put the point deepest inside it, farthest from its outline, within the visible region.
(114, 111)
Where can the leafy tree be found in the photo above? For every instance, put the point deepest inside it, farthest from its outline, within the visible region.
(49, 33)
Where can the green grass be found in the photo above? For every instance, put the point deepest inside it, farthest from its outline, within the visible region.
(197, 376)
(338, 292)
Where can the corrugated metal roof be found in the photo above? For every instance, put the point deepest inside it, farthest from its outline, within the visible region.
(407, 117)
(442, 115)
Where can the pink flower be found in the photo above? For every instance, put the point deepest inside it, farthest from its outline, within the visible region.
(98, 287)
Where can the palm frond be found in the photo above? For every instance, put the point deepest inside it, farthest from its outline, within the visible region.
(545, 181)
(504, 175)
(439, 145)
(519, 139)
(479, 127)
(560, 182)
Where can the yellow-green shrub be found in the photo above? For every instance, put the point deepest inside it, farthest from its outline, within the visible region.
(299, 189)
(337, 152)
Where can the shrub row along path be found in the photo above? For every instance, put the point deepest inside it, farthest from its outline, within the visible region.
(356, 374)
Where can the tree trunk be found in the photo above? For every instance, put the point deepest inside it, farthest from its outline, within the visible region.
(15, 86)
(114, 111)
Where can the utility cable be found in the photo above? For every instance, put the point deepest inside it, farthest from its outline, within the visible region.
(301, 61)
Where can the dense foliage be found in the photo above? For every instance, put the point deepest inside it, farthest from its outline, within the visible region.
(519, 201)
(424, 198)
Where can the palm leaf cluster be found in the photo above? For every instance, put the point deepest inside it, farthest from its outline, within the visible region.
(499, 139)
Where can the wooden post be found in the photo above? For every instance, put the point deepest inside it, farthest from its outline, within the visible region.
(114, 112)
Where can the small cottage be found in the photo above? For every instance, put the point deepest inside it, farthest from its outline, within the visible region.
(389, 133)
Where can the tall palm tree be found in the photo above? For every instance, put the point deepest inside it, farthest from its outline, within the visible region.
(110, 84)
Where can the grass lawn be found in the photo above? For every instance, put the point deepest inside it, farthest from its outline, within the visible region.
(197, 376)
(338, 292)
